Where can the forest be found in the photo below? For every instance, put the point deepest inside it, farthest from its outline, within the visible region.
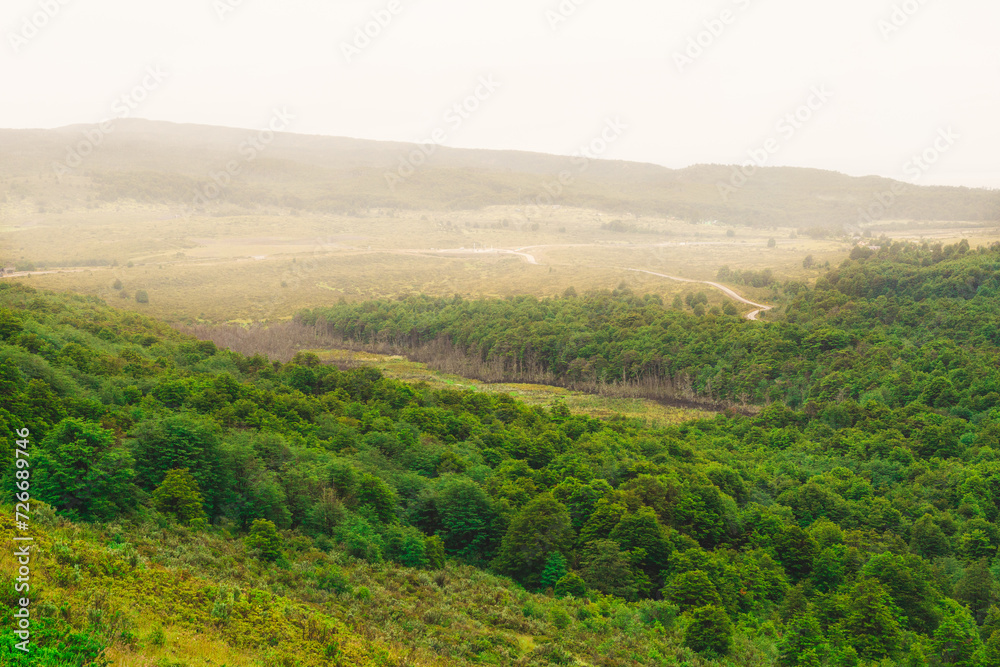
(902, 324)
(318, 516)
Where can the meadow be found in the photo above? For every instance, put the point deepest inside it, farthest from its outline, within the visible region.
(265, 267)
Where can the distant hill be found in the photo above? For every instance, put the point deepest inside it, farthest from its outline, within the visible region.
(161, 162)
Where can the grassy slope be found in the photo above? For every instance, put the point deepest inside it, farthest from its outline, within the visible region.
(124, 583)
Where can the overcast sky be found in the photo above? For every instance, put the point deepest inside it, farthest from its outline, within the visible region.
(886, 79)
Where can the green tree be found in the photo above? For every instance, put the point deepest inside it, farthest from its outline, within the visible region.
(927, 539)
(435, 552)
(956, 640)
(608, 569)
(829, 566)
(378, 496)
(178, 441)
(264, 540)
(977, 589)
(555, 569)
(689, 590)
(178, 496)
(872, 624)
(709, 630)
(467, 518)
(571, 584)
(802, 637)
(80, 470)
(642, 530)
(141, 296)
(796, 549)
(991, 652)
(542, 527)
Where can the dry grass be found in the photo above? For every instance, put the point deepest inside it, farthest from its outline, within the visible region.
(267, 266)
(282, 341)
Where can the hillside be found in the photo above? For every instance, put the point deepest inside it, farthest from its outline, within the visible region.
(157, 162)
(197, 506)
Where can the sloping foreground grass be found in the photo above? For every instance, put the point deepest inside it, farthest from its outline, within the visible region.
(154, 594)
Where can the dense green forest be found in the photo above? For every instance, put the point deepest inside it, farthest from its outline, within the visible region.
(900, 324)
(315, 516)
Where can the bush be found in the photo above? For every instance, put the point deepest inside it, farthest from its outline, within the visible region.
(709, 631)
(571, 584)
(141, 296)
(264, 540)
(178, 496)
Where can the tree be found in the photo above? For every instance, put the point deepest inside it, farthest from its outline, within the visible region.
(978, 589)
(542, 527)
(828, 570)
(178, 441)
(796, 550)
(608, 569)
(178, 496)
(802, 637)
(871, 623)
(709, 630)
(265, 540)
(927, 539)
(991, 652)
(467, 518)
(642, 530)
(435, 552)
(772, 243)
(689, 590)
(571, 584)
(80, 470)
(141, 296)
(555, 569)
(376, 495)
(956, 639)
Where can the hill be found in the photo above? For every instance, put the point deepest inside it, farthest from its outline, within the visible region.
(192, 504)
(158, 162)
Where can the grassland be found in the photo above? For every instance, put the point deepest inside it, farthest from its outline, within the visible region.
(267, 266)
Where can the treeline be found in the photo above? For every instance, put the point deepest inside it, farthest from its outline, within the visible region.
(762, 278)
(901, 324)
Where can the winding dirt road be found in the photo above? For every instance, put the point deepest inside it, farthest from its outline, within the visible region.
(752, 315)
(530, 259)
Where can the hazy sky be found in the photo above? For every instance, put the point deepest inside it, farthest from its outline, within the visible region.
(886, 79)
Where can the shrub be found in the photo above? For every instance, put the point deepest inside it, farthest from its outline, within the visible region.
(571, 584)
(709, 631)
(178, 496)
(264, 540)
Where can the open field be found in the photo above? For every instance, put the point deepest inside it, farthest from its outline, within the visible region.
(313, 219)
(602, 407)
(267, 266)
